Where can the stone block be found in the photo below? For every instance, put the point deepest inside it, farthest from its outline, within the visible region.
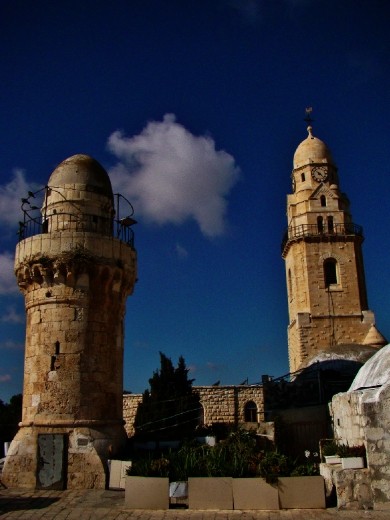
(76, 480)
(210, 493)
(254, 493)
(301, 492)
(118, 469)
(146, 493)
(353, 488)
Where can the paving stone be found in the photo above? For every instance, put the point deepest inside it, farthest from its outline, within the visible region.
(109, 505)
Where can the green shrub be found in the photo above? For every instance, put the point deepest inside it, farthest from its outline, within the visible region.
(308, 469)
(236, 456)
(329, 447)
(344, 450)
(273, 465)
(150, 467)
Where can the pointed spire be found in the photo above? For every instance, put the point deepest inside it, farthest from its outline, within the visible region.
(374, 338)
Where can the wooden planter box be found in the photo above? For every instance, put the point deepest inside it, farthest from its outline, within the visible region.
(210, 493)
(254, 493)
(352, 462)
(301, 492)
(147, 493)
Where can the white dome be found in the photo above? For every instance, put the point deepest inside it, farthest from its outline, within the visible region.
(375, 372)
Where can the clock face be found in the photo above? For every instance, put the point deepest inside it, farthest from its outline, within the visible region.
(319, 173)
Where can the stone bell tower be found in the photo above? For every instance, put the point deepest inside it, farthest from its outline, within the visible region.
(322, 248)
(75, 266)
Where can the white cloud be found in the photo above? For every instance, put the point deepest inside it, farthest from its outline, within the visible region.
(8, 283)
(11, 345)
(11, 316)
(171, 175)
(5, 378)
(10, 198)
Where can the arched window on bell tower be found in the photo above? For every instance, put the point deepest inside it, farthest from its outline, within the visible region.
(323, 201)
(330, 272)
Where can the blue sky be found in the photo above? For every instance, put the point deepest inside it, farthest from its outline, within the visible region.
(212, 93)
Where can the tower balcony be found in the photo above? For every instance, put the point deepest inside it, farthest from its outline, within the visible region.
(319, 233)
(41, 221)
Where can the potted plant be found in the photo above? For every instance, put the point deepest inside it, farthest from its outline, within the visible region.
(226, 475)
(147, 484)
(352, 457)
(233, 474)
(304, 488)
(329, 451)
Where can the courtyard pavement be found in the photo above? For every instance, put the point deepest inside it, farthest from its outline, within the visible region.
(110, 505)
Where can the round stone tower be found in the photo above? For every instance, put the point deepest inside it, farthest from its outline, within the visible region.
(75, 275)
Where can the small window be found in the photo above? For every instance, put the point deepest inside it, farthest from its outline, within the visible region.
(330, 272)
(303, 178)
(290, 283)
(250, 412)
(323, 201)
(320, 224)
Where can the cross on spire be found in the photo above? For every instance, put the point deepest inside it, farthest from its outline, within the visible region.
(308, 118)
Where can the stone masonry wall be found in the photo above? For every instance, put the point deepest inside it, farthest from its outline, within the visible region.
(346, 411)
(363, 417)
(309, 339)
(130, 406)
(221, 404)
(322, 317)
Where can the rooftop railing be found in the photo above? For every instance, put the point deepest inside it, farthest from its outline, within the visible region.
(35, 223)
(69, 222)
(294, 233)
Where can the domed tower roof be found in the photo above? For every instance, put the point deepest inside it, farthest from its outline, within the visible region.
(79, 197)
(82, 169)
(312, 150)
